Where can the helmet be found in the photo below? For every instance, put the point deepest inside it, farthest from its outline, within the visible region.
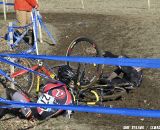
(66, 74)
(56, 94)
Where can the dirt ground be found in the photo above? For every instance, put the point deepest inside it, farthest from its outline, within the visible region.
(133, 35)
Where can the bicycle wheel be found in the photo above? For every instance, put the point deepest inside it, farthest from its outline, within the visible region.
(88, 73)
(25, 80)
(89, 97)
(102, 93)
(113, 94)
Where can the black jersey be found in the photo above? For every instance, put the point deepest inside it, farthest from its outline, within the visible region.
(131, 74)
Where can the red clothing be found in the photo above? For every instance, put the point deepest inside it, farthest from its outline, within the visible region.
(25, 5)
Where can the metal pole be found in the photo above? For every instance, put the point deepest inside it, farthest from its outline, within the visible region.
(35, 29)
(11, 59)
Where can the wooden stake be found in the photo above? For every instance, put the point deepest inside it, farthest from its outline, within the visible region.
(149, 4)
(82, 2)
(4, 10)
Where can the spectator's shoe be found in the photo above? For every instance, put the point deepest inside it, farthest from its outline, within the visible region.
(15, 35)
(31, 36)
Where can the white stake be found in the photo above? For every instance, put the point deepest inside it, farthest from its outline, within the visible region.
(7, 7)
(40, 30)
(82, 2)
(149, 4)
(11, 59)
(4, 10)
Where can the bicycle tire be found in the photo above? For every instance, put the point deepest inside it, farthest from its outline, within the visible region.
(117, 93)
(89, 97)
(110, 94)
(26, 81)
(83, 46)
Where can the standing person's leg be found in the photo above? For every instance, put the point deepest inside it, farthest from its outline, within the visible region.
(21, 18)
(28, 17)
(30, 32)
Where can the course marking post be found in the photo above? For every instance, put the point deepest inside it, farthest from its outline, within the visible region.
(82, 3)
(4, 10)
(11, 59)
(40, 30)
(7, 7)
(149, 4)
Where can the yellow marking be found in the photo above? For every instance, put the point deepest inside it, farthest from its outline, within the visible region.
(38, 84)
(97, 98)
(52, 76)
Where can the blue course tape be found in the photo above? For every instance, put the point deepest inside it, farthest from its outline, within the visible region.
(92, 109)
(23, 27)
(7, 3)
(136, 62)
(5, 75)
(148, 63)
(45, 28)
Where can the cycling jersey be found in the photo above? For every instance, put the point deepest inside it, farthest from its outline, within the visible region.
(124, 74)
(130, 74)
(53, 93)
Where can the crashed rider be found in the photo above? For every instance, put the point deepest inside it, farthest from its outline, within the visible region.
(131, 76)
(54, 92)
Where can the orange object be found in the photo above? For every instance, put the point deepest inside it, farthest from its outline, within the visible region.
(25, 5)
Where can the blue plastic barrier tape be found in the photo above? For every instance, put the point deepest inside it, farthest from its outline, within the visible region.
(23, 27)
(136, 62)
(5, 75)
(35, 30)
(92, 109)
(46, 30)
(11, 4)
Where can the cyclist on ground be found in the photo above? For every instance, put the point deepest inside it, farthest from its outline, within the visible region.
(131, 76)
(52, 93)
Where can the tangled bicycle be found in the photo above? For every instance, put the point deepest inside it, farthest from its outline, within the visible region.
(83, 81)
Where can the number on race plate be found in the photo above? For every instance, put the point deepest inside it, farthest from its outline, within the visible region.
(46, 99)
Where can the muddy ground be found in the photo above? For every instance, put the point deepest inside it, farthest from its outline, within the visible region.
(133, 35)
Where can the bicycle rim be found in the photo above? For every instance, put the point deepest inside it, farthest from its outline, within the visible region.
(26, 80)
(83, 46)
(113, 94)
(90, 97)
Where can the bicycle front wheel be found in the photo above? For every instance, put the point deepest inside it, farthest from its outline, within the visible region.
(88, 73)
